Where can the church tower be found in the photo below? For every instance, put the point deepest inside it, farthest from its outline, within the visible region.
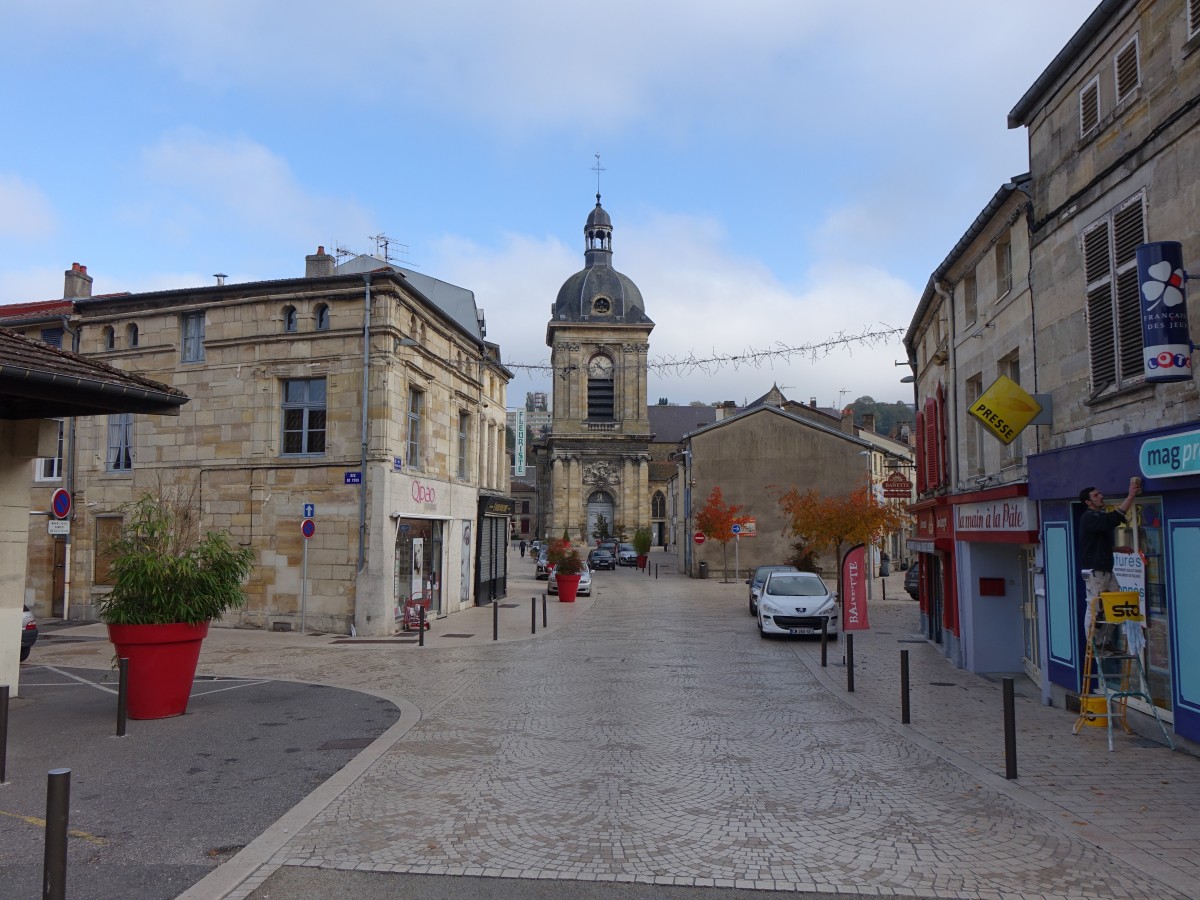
(598, 452)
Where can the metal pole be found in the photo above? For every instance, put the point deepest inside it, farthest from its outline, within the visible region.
(656, 571)
(3, 733)
(421, 626)
(54, 863)
(543, 609)
(824, 640)
(850, 662)
(533, 615)
(1010, 731)
(304, 587)
(905, 717)
(122, 694)
(883, 587)
(495, 620)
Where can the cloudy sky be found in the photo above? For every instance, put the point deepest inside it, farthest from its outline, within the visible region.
(780, 173)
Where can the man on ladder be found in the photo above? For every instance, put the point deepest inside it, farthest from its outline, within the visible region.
(1096, 545)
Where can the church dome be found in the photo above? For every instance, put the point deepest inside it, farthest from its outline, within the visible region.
(598, 292)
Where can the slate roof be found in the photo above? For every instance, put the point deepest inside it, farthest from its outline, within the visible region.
(670, 423)
(38, 381)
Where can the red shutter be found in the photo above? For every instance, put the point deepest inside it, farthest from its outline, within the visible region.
(920, 431)
(931, 444)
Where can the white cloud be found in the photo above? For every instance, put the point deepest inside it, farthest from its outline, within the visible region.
(28, 214)
(200, 183)
(706, 302)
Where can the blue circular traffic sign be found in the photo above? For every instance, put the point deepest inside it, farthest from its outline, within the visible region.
(60, 503)
(308, 528)
(737, 529)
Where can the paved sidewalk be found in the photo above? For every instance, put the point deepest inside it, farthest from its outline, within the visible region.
(650, 736)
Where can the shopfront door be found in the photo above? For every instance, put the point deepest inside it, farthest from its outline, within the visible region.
(1030, 623)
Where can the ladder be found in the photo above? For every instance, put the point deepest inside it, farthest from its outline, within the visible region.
(1111, 676)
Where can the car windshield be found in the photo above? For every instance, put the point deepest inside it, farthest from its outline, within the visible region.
(796, 587)
(628, 547)
(761, 574)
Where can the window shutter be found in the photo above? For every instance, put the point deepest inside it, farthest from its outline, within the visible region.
(1128, 72)
(1097, 269)
(919, 428)
(931, 445)
(1129, 231)
(1193, 10)
(1089, 107)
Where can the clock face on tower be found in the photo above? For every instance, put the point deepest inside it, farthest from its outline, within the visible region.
(601, 306)
(600, 367)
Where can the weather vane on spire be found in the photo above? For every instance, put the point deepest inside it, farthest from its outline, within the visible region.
(597, 168)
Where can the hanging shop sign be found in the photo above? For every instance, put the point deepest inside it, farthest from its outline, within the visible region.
(1167, 345)
(1005, 409)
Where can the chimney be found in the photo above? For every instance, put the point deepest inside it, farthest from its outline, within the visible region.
(869, 422)
(848, 421)
(319, 264)
(78, 283)
(812, 401)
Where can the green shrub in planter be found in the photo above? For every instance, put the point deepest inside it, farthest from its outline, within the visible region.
(163, 572)
(641, 541)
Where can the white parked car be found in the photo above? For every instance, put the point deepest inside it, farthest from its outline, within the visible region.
(585, 583)
(796, 603)
(626, 555)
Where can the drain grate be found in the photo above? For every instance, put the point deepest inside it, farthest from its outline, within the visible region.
(458, 635)
(942, 683)
(509, 605)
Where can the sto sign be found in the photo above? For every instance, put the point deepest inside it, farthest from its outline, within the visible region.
(1005, 409)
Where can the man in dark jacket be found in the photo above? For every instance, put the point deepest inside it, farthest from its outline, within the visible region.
(1096, 539)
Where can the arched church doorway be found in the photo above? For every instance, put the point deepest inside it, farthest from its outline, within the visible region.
(599, 504)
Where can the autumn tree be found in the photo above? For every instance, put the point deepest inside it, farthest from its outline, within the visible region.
(838, 523)
(716, 520)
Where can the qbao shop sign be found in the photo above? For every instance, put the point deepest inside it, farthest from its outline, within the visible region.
(1167, 353)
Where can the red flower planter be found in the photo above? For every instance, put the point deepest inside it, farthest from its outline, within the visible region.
(162, 666)
(568, 587)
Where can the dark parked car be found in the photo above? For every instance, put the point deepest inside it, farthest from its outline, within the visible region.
(756, 582)
(912, 581)
(601, 559)
(29, 633)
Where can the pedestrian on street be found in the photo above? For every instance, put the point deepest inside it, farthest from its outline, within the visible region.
(1096, 540)
(522, 546)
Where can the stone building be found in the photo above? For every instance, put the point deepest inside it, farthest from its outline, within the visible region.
(363, 397)
(596, 459)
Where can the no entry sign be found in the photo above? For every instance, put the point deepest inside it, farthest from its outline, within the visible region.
(698, 537)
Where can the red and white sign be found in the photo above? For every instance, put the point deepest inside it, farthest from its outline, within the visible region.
(896, 487)
(854, 590)
(308, 528)
(423, 493)
(60, 503)
(698, 537)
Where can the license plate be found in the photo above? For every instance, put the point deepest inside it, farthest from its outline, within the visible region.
(802, 631)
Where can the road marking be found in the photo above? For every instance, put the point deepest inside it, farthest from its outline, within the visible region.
(41, 823)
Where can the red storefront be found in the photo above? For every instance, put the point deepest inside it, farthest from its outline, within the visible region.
(934, 549)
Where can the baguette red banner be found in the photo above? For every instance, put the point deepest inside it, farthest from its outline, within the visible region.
(854, 589)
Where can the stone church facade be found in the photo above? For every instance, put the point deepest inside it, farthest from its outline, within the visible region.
(596, 459)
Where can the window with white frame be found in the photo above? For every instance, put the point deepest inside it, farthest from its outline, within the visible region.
(1127, 70)
(120, 443)
(1004, 274)
(49, 468)
(193, 337)
(416, 412)
(1113, 309)
(464, 434)
(1012, 454)
(1089, 107)
(304, 413)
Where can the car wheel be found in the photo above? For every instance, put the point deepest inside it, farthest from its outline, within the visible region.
(25, 653)
(753, 609)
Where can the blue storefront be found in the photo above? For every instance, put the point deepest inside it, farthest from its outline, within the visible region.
(1159, 554)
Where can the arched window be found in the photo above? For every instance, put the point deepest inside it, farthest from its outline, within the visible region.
(131, 334)
(289, 318)
(109, 336)
(600, 392)
(321, 316)
(658, 506)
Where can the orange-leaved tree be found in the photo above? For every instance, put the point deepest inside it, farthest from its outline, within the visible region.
(716, 520)
(838, 523)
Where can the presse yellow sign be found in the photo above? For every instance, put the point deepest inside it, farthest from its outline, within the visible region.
(1005, 409)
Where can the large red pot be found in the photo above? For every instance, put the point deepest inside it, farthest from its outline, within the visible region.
(568, 587)
(162, 666)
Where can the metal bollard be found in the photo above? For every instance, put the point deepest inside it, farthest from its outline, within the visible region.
(54, 864)
(905, 718)
(824, 642)
(421, 628)
(3, 733)
(1010, 731)
(495, 620)
(543, 610)
(122, 694)
(883, 586)
(656, 571)
(850, 662)
(533, 615)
